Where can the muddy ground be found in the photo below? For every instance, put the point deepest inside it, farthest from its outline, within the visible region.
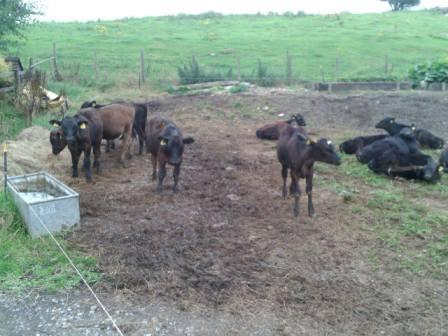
(228, 245)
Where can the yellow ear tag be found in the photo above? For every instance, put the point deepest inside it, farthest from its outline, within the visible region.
(413, 128)
(93, 105)
(391, 121)
(163, 142)
(82, 126)
(55, 125)
(440, 169)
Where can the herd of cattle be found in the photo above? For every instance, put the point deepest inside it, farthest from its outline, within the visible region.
(396, 153)
(84, 132)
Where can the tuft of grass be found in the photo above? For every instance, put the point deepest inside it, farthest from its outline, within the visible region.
(27, 263)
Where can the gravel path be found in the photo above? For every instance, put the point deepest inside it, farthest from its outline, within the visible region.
(75, 313)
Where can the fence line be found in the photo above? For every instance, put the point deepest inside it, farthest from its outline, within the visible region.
(142, 67)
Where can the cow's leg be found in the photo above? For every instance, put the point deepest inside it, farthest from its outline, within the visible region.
(154, 166)
(109, 144)
(75, 159)
(96, 157)
(162, 174)
(87, 165)
(126, 146)
(309, 192)
(176, 172)
(284, 176)
(295, 189)
(141, 141)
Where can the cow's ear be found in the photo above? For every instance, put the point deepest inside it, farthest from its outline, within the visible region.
(55, 123)
(188, 140)
(82, 124)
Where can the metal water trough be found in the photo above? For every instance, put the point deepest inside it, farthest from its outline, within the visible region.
(43, 196)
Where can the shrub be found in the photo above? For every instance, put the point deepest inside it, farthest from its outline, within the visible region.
(242, 87)
(264, 77)
(193, 73)
(430, 72)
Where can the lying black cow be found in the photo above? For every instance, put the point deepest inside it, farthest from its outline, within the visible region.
(399, 156)
(272, 131)
(353, 146)
(82, 133)
(424, 137)
(404, 142)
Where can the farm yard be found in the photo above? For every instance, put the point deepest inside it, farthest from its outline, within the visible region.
(226, 256)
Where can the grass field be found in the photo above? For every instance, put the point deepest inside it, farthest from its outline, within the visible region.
(330, 47)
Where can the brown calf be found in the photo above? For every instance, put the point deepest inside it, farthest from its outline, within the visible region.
(272, 131)
(165, 142)
(298, 153)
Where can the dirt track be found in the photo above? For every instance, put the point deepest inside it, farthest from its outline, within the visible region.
(229, 242)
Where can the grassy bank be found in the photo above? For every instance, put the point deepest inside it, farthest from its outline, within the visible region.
(322, 47)
(407, 219)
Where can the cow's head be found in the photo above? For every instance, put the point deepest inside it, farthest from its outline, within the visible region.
(172, 145)
(88, 104)
(324, 151)
(57, 141)
(385, 123)
(72, 128)
(349, 146)
(298, 118)
(431, 172)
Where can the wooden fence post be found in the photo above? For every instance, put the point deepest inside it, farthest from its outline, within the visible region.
(386, 64)
(57, 75)
(337, 66)
(142, 67)
(288, 68)
(238, 64)
(95, 66)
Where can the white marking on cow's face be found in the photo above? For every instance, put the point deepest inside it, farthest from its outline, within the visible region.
(329, 142)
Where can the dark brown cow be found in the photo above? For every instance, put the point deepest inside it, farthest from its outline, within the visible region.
(272, 131)
(82, 133)
(298, 153)
(165, 142)
(117, 121)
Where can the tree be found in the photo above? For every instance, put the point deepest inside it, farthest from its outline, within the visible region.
(14, 16)
(398, 5)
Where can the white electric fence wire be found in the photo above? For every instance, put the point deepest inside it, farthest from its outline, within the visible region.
(79, 273)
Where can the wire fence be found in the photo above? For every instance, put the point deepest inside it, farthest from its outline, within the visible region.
(137, 68)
